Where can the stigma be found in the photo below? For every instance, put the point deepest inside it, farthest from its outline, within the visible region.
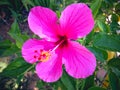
(42, 55)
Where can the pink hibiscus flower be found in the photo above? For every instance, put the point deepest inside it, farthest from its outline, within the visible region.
(58, 46)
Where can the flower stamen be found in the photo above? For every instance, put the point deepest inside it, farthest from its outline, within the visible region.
(44, 56)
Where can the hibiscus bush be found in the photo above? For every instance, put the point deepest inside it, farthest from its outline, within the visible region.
(60, 45)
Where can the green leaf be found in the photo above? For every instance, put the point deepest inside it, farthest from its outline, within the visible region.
(89, 37)
(16, 68)
(88, 82)
(59, 85)
(116, 71)
(107, 42)
(114, 17)
(44, 3)
(16, 34)
(15, 28)
(96, 88)
(11, 51)
(95, 6)
(4, 3)
(103, 27)
(114, 81)
(26, 3)
(117, 8)
(66, 80)
(4, 45)
(100, 54)
(115, 62)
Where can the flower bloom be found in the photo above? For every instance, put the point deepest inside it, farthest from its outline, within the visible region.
(58, 46)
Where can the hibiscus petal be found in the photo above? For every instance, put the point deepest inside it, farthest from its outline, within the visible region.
(79, 61)
(76, 21)
(51, 70)
(31, 49)
(43, 22)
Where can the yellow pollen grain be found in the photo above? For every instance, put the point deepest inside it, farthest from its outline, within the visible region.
(45, 56)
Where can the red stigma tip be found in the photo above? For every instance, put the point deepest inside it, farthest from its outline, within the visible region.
(39, 58)
(35, 51)
(35, 56)
(41, 50)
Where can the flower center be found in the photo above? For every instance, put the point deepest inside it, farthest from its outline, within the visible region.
(44, 55)
(62, 41)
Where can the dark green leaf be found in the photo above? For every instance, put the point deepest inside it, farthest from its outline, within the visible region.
(10, 51)
(100, 54)
(5, 44)
(89, 37)
(5, 2)
(107, 42)
(95, 6)
(89, 82)
(114, 81)
(16, 34)
(16, 68)
(45, 3)
(117, 7)
(67, 81)
(116, 71)
(96, 88)
(114, 26)
(114, 18)
(115, 62)
(59, 85)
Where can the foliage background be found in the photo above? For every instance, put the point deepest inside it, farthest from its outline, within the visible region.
(103, 41)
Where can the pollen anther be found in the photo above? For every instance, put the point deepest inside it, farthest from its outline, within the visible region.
(44, 56)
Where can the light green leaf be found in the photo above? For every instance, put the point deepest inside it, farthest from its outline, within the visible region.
(16, 34)
(95, 6)
(103, 27)
(16, 68)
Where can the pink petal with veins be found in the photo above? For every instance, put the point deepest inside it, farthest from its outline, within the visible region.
(31, 49)
(76, 21)
(51, 70)
(43, 22)
(78, 60)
